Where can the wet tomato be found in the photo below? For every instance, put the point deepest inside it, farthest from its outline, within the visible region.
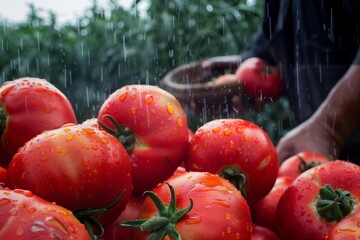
(317, 199)
(199, 205)
(237, 150)
(28, 106)
(78, 167)
(260, 79)
(263, 233)
(152, 125)
(24, 216)
(299, 163)
(131, 212)
(346, 229)
(264, 211)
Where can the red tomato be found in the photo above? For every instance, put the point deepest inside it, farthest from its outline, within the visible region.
(346, 229)
(260, 79)
(200, 205)
(264, 211)
(75, 166)
(318, 198)
(24, 215)
(28, 106)
(131, 212)
(299, 163)
(153, 127)
(237, 150)
(263, 233)
(2, 175)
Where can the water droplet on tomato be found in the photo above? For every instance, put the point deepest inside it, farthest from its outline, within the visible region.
(88, 130)
(170, 108)
(221, 202)
(70, 137)
(123, 96)
(216, 129)
(179, 122)
(265, 162)
(239, 130)
(227, 132)
(133, 96)
(133, 110)
(53, 222)
(193, 220)
(6, 90)
(104, 140)
(227, 216)
(148, 98)
(4, 201)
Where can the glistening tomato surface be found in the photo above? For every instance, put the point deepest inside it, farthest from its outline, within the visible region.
(152, 125)
(75, 166)
(219, 211)
(28, 106)
(317, 199)
(24, 216)
(299, 163)
(237, 150)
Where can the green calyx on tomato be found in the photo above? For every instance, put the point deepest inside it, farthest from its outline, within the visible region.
(165, 222)
(87, 217)
(122, 133)
(237, 178)
(334, 204)
(303, 165)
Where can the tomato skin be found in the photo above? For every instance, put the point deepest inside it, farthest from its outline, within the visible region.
(75, 166)
(2, 175)
(219, 210)
(264, 211)
(160, 126)
(346, 229)
(296, 217)
(24, 215)
(131, 212)
(290, 167)
(260, 79)
(238, 144)
(263, 233)
(30, 105)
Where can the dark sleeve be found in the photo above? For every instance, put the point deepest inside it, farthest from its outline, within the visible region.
(357, 57)
(259, 45)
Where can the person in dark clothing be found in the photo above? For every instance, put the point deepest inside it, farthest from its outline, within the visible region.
(315, 44)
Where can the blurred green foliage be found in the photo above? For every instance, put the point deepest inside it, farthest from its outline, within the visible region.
(98, 53)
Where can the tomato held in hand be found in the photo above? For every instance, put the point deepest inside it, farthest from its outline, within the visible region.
(77, 167)
(199, 205)
(317, 199)
(260, 79)
(28, 106)
(237, 150)
(152, 126)
(299, 163)
(24, 215)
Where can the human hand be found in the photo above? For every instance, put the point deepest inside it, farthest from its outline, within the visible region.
(311, 135)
